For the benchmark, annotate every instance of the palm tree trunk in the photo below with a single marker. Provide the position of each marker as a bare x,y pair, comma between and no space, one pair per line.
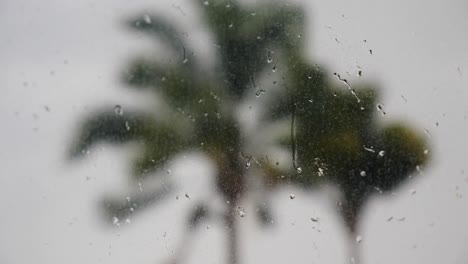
232,242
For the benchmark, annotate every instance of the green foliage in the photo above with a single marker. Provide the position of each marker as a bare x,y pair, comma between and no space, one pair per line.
333,137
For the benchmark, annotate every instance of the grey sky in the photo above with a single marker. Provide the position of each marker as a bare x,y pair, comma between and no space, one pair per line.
66,55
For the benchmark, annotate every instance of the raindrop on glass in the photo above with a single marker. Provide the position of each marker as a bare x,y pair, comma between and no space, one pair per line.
381,153
269,59
147,19
320,172
115,221
292,196
299,170
241,211
363,173
380,109
259,92
127,126
118,110
359,239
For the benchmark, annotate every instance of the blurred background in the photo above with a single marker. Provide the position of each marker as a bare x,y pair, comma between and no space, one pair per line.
61,60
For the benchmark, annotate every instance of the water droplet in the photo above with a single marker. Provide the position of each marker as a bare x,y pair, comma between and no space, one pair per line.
380,109
314,219
269,59
118,110
128,221
371,52
140,188
389,218
128,198
353,92
115,221
299,170
187,196
247,164
359,239
401,219
147,19
413,191
292,196
168,171
359,73
381,153
230,25
259,92
241,211
320,172
127,126
426,151
363,173
371,149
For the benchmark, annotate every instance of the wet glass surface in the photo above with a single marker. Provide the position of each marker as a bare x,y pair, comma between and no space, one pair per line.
233,132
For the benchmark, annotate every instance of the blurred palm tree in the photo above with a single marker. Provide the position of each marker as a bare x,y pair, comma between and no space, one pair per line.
200,103
329,132
335,137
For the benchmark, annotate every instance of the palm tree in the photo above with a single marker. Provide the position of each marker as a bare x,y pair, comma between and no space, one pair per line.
335,138
329,132
200,104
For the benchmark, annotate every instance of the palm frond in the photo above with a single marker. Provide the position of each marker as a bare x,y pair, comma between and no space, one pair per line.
110,126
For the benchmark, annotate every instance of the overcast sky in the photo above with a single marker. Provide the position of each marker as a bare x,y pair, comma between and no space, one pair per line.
61,58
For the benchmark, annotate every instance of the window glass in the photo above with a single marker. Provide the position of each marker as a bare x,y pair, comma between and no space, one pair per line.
226,131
